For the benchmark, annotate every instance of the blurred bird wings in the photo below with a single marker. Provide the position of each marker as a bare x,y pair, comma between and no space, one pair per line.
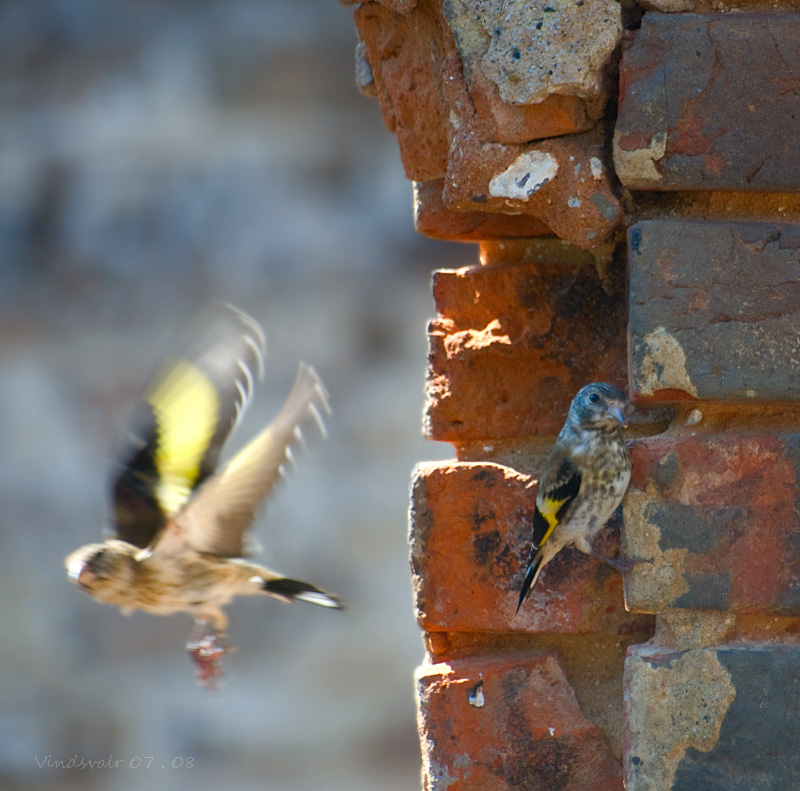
183,419
217,518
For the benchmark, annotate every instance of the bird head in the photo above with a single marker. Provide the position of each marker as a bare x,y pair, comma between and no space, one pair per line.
102,570
600,405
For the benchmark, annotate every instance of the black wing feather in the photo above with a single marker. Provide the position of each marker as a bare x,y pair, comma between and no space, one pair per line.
565,486
137,514
540,528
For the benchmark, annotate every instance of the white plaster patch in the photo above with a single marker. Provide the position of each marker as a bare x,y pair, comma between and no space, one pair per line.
638,166
662,364
538,49
528,173
672,716
695,416
652,587
596,166
670,6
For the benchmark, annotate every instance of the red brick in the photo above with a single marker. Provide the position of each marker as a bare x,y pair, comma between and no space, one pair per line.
509,722
719,517
706,102
470,536
562,182
400,6
714,310
432,218
446,127
511,123
405,52
513,345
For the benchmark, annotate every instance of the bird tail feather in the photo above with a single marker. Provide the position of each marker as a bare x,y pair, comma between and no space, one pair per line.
288,590
531,575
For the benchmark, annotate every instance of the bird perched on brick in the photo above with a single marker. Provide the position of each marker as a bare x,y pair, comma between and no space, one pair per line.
584,479
182,530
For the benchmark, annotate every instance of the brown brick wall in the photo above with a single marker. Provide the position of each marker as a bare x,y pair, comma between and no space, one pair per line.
632,178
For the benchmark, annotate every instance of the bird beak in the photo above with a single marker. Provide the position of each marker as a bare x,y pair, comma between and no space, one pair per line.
74,571
615,411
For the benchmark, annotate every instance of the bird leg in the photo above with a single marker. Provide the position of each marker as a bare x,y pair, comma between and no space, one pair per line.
206,653
620,564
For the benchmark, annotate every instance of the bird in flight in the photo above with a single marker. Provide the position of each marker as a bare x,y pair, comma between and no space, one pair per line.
181,538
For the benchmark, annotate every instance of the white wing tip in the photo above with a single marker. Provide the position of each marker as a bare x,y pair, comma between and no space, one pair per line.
258,351
312,408
319,598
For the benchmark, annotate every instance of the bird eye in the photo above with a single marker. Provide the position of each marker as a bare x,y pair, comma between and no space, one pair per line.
593,398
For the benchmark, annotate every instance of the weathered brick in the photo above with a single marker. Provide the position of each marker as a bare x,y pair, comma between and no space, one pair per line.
706,102
508,722
513,345
400,6
460,126
509,123
434,219
405,53
532,51
718,514
548,114
715,310
470,536
562,182
712,719
670,6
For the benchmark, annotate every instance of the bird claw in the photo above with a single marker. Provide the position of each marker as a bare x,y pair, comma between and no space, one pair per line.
622,564
626,564
207,653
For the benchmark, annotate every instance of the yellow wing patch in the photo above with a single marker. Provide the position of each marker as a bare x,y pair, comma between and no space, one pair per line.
186,408
548,509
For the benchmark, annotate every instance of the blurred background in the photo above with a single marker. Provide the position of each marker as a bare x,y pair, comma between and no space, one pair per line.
153,155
